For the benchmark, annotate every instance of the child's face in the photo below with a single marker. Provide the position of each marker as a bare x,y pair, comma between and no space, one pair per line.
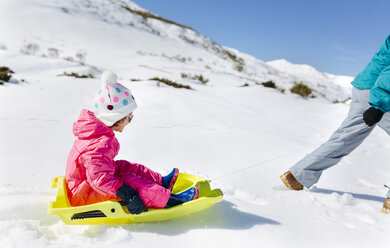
120,126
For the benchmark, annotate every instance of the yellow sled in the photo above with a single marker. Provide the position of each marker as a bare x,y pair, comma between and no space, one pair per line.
111,212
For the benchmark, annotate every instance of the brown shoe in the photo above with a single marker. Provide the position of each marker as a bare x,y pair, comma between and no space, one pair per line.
386,206
289,180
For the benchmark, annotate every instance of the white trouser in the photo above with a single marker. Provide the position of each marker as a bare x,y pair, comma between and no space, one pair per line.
347,137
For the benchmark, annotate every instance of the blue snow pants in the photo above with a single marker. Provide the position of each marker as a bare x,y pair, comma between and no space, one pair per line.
344,140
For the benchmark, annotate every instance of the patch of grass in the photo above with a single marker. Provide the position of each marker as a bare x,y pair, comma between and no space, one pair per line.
301,89
135,79
343,101
76,75
245,85
188,40
239,67
148,15
269,84
185,75
4,77
5,74
199,77
239,62
170,83
231,55
5,69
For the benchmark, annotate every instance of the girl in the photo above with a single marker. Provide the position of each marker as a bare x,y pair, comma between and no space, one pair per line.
92,174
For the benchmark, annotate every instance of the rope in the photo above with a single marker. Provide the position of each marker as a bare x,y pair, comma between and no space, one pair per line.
263,162
364,126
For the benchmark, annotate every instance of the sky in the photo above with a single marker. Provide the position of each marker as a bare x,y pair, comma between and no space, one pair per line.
334,36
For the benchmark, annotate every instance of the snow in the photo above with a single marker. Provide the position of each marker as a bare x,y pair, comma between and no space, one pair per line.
242,138
332,85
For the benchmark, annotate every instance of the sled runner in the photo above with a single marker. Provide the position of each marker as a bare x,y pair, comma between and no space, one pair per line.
111,212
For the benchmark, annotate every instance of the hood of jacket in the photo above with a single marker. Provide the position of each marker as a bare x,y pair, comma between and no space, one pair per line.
88,126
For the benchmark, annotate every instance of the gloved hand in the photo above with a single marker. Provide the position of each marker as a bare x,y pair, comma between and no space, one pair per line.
372,116
132,200
136,205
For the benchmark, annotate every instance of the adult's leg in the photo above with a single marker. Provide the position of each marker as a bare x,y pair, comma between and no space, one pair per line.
385,125
344,140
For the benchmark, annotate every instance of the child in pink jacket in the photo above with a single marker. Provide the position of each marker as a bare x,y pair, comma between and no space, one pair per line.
92,174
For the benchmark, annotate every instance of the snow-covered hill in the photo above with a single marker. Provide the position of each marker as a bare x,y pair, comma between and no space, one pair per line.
315,79
215,131
95,32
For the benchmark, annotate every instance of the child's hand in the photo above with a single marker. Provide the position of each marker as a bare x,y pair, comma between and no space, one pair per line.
132,200
125,192
136,205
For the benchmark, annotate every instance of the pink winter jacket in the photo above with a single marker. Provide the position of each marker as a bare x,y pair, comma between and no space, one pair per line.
91,174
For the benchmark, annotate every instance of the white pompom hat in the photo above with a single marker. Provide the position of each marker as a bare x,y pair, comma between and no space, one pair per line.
113,101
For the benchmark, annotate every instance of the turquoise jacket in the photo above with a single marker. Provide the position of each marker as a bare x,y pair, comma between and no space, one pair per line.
376,76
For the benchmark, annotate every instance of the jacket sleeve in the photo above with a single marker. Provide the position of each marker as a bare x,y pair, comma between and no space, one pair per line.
100,170
380,92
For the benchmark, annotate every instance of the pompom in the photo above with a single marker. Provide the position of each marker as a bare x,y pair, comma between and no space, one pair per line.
109,78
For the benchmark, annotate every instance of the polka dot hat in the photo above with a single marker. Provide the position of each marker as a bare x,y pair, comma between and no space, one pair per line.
113,101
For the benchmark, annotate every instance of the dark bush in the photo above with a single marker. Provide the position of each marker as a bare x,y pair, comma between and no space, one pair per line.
5,69
201,79
269,84
5,74
301,89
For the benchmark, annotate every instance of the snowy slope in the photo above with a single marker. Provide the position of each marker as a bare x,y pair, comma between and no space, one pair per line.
116,34
215,131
